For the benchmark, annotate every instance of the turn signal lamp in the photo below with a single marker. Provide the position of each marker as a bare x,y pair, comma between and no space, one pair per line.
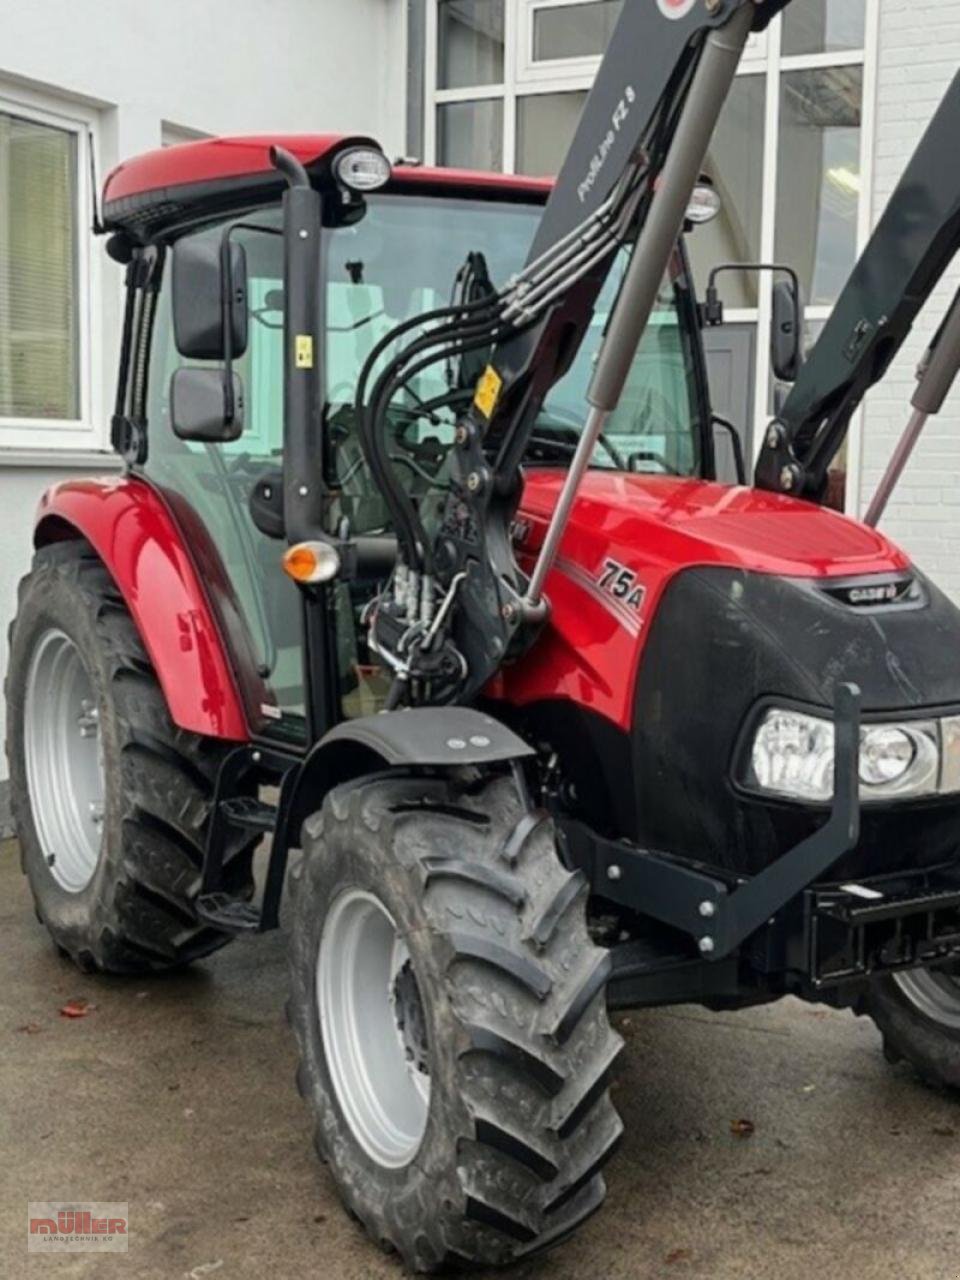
311,562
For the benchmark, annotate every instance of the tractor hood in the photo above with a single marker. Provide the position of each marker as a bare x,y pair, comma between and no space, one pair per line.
671,522
631,538
678,610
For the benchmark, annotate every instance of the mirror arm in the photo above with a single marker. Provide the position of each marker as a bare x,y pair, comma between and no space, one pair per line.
714,307
757,266
739,461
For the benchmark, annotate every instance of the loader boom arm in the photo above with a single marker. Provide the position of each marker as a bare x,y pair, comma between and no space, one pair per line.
626,181
913,244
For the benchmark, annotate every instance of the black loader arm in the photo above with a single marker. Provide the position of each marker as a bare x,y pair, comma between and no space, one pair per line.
458,604
908,253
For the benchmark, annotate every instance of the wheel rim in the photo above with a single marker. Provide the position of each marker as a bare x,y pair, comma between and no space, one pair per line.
371,1019
937,995
64,760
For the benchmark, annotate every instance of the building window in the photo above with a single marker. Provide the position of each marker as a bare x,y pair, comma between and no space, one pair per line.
470,134
470,43
546,123
574,30
735,166
51,306
818,192
39,271
824,26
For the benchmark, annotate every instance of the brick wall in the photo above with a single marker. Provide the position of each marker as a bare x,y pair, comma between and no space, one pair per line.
919,54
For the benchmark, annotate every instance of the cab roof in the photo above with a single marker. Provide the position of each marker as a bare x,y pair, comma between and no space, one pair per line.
159,189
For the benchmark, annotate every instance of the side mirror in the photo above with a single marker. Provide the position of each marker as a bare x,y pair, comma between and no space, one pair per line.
202,275
786,335
200,408
728,458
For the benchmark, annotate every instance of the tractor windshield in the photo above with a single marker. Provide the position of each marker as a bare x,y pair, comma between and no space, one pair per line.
403,259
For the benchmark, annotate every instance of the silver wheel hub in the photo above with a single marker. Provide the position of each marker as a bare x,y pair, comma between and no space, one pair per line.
373,1027
933,993
64,760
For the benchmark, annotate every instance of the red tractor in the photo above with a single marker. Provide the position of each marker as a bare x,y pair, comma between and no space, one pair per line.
553,721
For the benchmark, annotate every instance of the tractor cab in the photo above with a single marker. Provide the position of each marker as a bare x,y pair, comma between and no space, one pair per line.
387,256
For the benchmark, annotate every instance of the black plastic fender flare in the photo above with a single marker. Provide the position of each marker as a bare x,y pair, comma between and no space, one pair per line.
416,737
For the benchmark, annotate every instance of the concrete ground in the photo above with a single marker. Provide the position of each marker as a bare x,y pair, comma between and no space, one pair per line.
176,1095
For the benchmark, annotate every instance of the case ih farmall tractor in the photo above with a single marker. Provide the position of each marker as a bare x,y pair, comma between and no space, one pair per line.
419,528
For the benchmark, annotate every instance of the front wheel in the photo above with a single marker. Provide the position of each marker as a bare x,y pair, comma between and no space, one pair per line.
918,1014
449,1010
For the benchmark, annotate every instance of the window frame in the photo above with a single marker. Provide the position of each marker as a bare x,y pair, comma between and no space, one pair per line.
89,430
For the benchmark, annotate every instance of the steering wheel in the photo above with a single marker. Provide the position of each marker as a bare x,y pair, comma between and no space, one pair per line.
651,455
576,424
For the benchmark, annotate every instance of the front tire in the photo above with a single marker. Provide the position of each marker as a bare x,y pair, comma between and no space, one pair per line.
918,1014
110,799
454,1042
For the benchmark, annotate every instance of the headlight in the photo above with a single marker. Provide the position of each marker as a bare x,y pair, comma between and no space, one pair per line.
792,756
362,169
705,204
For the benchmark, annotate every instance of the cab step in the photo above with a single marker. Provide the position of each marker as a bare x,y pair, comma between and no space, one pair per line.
228,914
246,813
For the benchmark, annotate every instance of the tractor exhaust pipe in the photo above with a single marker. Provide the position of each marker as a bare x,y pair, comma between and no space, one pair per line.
712,81
937,373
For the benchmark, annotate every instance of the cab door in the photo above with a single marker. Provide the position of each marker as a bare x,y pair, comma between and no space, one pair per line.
209,485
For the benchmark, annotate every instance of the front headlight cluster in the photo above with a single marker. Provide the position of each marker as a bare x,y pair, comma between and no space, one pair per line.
792,755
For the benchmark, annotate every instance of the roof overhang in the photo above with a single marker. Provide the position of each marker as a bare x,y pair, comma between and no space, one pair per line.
152,192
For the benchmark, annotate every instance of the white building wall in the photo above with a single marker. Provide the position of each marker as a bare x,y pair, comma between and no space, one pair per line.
211,66
919,54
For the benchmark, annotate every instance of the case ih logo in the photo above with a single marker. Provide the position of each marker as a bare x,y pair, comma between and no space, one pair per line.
92,1227
675,8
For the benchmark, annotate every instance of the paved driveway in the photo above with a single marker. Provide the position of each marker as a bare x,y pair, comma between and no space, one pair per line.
177,1096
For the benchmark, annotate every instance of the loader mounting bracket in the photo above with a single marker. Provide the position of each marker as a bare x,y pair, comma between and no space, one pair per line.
719,915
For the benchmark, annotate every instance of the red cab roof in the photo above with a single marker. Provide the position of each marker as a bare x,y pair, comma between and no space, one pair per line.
161,187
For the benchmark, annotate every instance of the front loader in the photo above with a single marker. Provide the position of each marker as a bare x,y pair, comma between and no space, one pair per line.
419,566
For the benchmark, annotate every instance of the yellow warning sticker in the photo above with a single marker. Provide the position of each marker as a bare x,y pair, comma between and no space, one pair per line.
488,391
304,351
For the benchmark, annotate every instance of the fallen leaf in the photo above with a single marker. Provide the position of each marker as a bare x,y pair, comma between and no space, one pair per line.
30,1028
203,1269
742,1128
677,1255
77,1008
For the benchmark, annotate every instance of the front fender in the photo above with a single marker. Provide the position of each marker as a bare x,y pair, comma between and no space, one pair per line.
135,535
419,737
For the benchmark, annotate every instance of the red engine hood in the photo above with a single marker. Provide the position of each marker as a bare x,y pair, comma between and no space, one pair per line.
650,528
680,522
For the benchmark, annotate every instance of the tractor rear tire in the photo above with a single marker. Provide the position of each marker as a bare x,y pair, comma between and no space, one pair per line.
111,822
918,1015
449,1009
